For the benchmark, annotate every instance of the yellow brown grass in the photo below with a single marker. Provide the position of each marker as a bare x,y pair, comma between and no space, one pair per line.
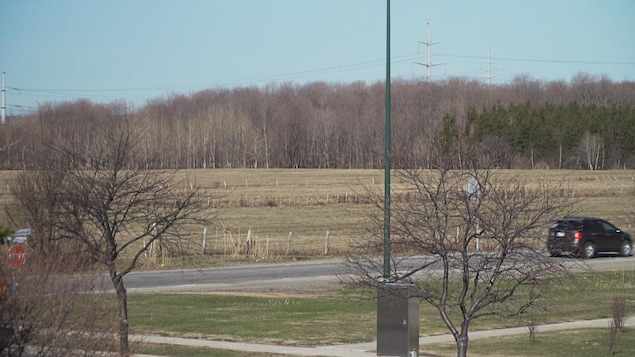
295,213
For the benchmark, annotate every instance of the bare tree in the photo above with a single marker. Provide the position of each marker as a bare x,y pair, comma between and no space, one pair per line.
590,149
45,312
115,208
472,242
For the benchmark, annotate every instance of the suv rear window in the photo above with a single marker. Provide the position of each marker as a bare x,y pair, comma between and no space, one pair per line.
570,225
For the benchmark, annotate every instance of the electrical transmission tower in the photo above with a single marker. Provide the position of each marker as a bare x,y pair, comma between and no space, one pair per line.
489,67
429,63
4,100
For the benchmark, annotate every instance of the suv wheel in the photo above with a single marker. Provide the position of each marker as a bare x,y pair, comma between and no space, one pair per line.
625,248
588,251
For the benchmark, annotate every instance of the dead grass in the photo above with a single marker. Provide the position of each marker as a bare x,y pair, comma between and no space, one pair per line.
288,213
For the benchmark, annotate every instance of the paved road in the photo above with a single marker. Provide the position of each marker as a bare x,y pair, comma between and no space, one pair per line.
263,277
291,276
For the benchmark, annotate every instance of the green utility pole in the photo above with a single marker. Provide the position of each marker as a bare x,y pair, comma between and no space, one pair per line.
387,145
397,304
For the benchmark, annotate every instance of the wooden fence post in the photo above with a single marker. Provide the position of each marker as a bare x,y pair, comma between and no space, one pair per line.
204,239
288,243
248,243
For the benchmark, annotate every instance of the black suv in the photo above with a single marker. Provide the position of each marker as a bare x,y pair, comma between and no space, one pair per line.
586,237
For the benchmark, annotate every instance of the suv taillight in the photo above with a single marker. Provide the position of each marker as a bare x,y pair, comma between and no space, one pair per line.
577,235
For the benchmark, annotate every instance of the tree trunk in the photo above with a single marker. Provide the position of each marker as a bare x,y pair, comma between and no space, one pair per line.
122,297
461,343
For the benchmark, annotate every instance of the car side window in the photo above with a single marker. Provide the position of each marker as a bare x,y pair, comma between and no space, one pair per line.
592,226
608,228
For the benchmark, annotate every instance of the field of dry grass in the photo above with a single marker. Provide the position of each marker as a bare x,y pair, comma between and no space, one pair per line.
282,213
309,204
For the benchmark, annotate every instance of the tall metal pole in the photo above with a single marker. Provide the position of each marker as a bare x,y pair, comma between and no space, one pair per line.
489,66
4,100
429,48
387,145
429,45
397,310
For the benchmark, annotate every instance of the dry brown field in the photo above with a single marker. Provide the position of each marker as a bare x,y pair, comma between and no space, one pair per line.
309,204
297,213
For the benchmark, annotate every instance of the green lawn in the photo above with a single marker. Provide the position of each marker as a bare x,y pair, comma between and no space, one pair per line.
270,319
337,317
566,343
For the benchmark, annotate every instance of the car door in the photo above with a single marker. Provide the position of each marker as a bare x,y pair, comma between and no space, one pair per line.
611,235
595,229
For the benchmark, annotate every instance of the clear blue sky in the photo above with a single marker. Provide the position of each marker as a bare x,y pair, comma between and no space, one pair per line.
135,50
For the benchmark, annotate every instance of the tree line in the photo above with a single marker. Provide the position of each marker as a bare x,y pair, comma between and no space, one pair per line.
585,123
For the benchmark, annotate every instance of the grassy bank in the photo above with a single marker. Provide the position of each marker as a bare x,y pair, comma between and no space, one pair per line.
568,343
338,317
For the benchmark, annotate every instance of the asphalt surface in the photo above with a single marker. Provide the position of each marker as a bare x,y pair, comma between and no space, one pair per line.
290,276
262,277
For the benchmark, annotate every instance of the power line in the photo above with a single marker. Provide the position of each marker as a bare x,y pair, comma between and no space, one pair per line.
354,66
541,60
108,93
